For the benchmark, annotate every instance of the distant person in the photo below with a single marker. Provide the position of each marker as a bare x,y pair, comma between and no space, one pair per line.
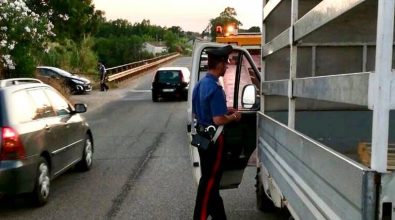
103,76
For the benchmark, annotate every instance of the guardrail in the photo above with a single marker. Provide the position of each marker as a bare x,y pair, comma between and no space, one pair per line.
131,69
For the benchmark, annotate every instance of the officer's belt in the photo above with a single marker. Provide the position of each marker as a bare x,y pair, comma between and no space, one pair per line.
211,131
206,129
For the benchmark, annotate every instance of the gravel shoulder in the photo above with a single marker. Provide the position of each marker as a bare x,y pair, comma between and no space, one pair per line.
96,98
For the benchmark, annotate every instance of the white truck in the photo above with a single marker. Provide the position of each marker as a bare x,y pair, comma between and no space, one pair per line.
320,111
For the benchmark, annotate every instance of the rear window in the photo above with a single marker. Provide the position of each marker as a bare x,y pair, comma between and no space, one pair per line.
23,109
168,76
43,107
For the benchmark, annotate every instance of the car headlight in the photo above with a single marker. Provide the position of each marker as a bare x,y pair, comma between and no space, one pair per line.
78,81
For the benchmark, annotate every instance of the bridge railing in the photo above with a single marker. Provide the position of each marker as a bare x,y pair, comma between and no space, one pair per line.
127,70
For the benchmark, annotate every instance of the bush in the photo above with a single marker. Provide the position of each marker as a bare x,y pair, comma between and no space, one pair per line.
75,58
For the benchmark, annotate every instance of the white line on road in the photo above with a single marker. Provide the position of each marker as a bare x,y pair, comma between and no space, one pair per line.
133,90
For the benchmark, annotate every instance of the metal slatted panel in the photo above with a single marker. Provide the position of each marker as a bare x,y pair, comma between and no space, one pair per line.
281,41
277,87
269,7
308,172
345,88
323,13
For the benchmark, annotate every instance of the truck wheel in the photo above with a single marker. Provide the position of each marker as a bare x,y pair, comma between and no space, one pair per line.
40,193
263,202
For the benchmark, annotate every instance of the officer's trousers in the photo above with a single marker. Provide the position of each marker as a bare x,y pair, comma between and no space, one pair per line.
208,199
103,86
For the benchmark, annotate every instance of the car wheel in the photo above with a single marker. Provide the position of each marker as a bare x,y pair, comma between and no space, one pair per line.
87,156
264,203
154,97
41,190
185,96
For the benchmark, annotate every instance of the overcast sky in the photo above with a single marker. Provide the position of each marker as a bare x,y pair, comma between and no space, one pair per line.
190,15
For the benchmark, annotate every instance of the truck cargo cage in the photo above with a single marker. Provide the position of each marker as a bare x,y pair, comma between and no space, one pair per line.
327,95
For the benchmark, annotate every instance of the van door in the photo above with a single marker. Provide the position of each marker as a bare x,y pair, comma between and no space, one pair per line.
240,137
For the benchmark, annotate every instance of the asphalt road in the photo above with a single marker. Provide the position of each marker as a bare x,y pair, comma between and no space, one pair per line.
141,167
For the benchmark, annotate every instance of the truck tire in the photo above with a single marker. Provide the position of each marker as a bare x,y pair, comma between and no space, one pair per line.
263,202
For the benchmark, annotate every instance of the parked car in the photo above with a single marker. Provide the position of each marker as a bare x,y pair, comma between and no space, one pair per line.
170,82
41,136
76,84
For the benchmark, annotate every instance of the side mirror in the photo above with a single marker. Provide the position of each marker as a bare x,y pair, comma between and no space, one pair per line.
248,96
80,108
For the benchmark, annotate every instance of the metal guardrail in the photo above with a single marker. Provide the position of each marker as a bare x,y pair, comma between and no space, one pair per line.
131,69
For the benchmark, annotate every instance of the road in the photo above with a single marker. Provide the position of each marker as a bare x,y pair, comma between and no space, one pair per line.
141,166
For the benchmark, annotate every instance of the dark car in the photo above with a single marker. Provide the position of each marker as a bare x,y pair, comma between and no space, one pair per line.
41,136
170,82
76,84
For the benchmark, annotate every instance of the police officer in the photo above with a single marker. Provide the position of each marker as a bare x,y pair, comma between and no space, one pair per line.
209,109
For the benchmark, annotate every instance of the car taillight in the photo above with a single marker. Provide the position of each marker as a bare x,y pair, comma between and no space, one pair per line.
181,76
11,145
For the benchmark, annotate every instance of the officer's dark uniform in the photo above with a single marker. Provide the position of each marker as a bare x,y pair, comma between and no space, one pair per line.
209,100
103,77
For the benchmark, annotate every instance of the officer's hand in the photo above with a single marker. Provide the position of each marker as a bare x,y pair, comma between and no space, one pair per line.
237,116
231,110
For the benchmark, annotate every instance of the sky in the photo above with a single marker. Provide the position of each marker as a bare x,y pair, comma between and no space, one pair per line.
190,15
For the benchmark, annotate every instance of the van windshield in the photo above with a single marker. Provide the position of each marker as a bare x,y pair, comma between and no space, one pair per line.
168,76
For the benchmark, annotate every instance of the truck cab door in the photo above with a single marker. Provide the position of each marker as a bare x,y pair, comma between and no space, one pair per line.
240,137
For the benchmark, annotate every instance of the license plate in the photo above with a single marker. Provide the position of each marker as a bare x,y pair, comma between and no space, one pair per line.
168,90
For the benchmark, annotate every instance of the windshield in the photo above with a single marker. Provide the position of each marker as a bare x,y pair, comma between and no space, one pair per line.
63,72
168,76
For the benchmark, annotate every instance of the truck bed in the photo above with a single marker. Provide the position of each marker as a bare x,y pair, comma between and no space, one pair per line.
343,131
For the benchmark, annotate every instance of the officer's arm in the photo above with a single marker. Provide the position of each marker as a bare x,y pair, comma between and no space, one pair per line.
225,119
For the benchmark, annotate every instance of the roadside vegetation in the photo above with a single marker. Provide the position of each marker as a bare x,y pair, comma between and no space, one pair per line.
72,35
227,17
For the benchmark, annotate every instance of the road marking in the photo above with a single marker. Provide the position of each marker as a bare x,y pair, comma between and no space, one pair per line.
134,90
129,185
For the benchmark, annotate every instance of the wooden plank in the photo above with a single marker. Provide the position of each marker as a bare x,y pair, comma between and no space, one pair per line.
364,153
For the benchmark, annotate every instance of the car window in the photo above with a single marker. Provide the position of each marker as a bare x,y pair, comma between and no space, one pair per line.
168,76
247,76
42,104
62,72
47,73
23,110
60,105
229,79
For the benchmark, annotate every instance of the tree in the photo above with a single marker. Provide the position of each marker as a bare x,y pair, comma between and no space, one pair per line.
73,19
23,34
227,17
254,29
171,41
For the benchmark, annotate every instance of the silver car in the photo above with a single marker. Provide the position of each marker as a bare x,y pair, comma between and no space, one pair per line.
41,136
